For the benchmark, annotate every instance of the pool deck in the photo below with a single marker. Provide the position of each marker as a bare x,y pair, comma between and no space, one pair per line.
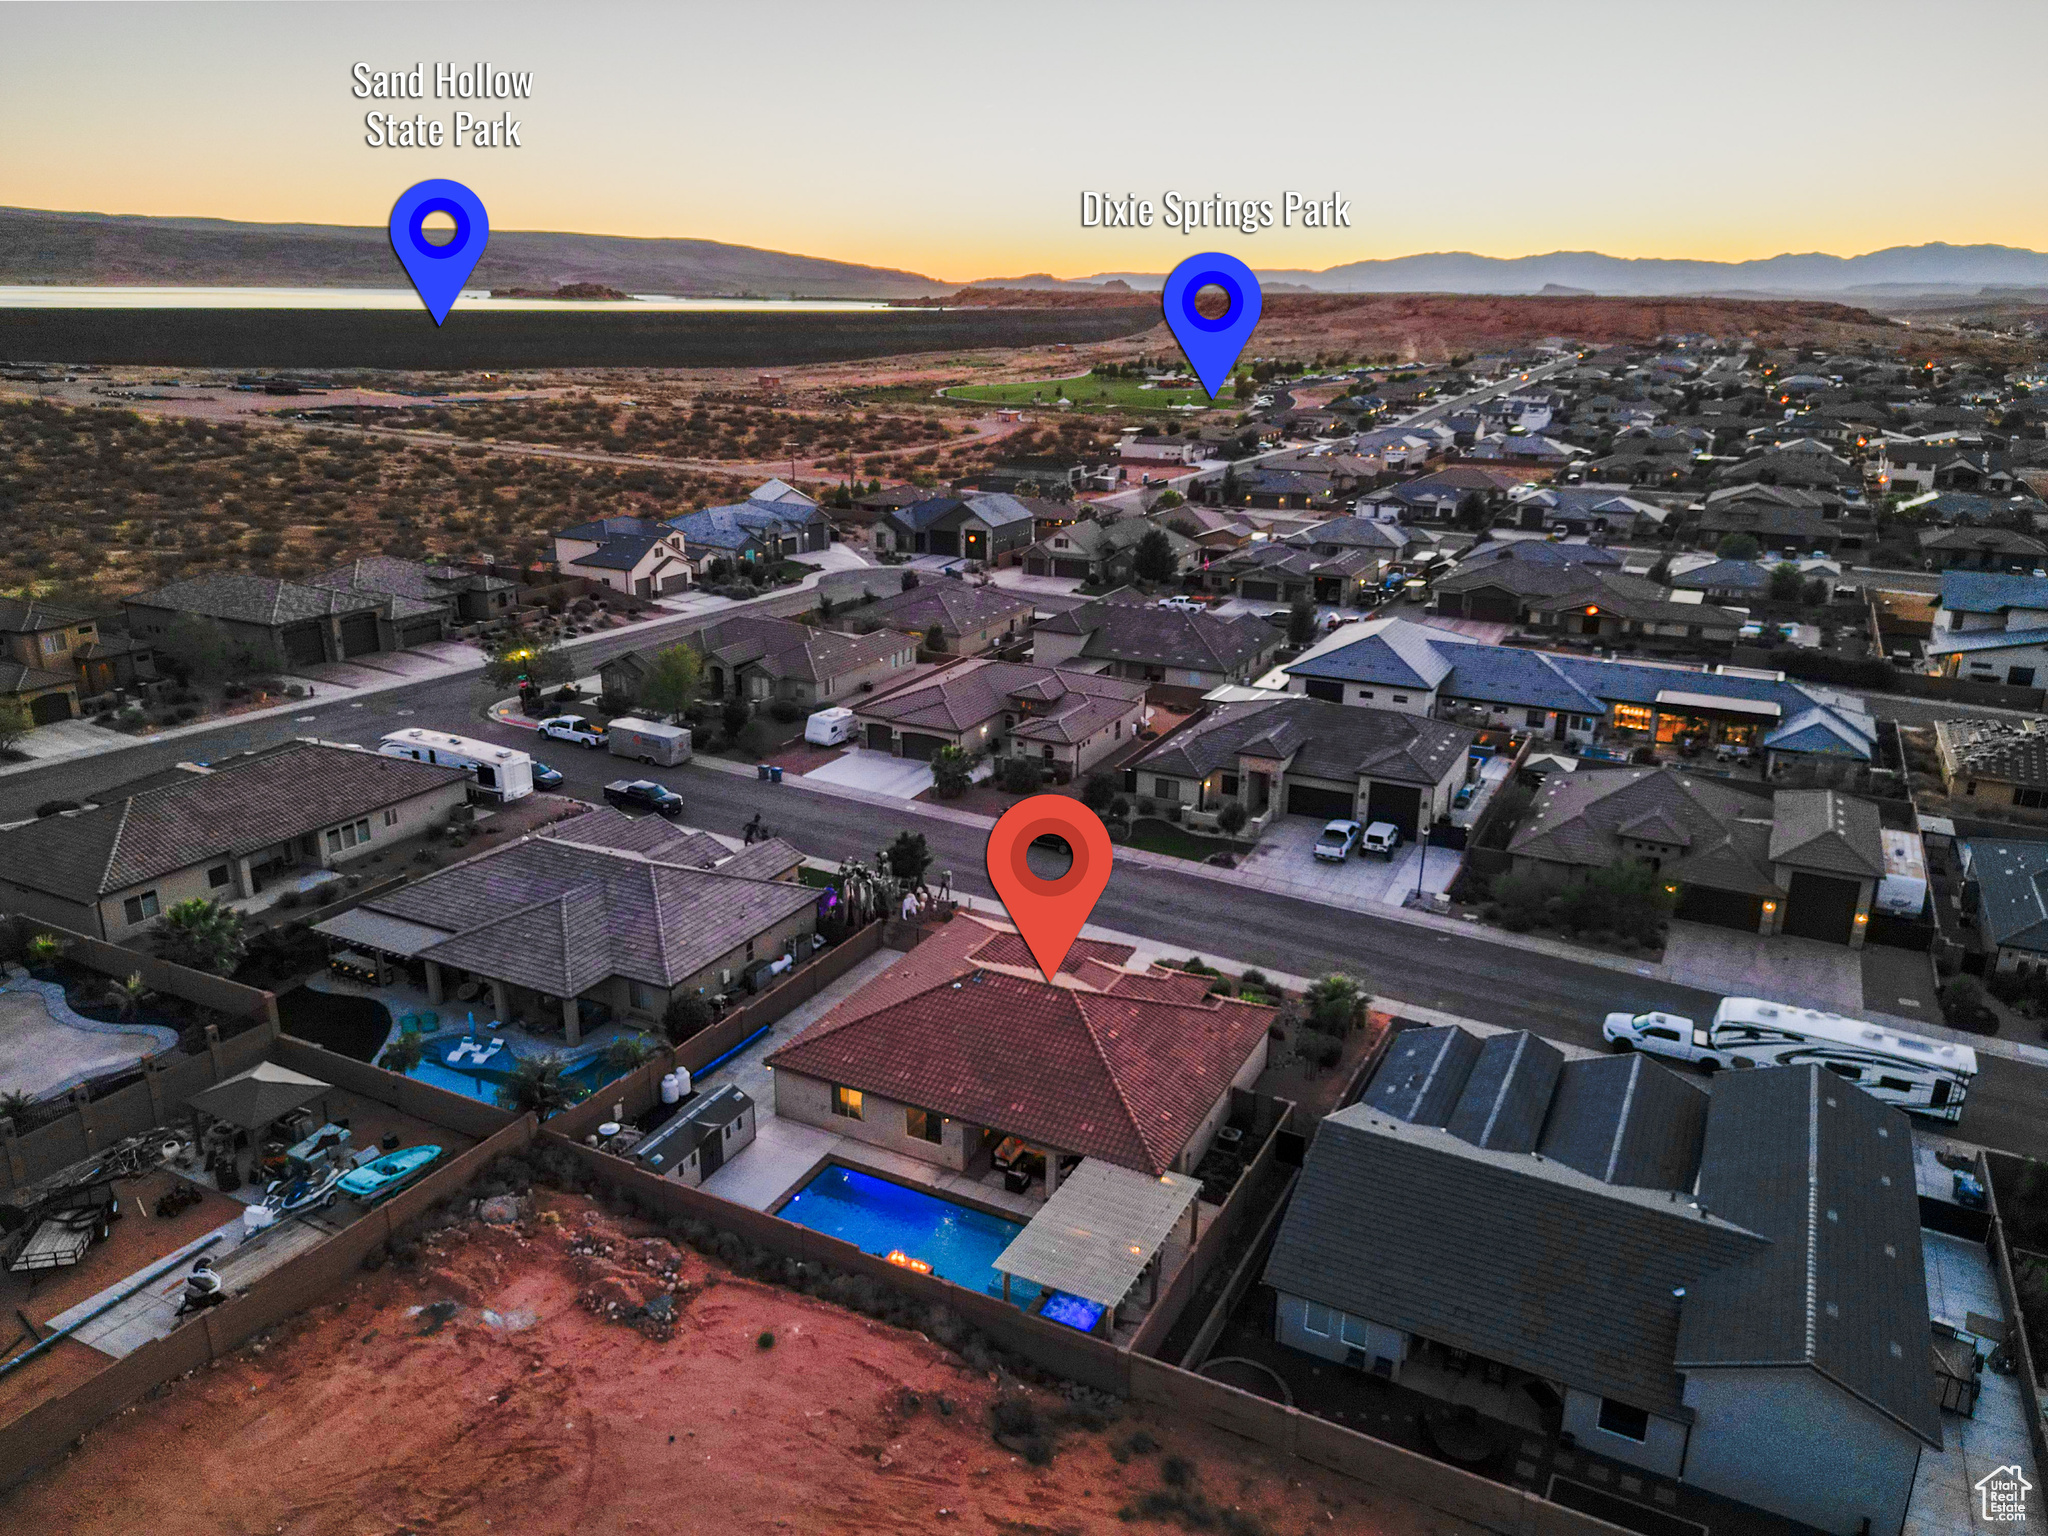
401,998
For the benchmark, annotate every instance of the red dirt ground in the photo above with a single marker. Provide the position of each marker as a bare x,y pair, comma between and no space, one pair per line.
355,1419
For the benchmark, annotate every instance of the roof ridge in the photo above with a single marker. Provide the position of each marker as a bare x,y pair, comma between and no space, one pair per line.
114,844
1138,1127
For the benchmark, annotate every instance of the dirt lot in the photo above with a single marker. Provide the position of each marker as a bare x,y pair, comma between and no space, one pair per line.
366,1417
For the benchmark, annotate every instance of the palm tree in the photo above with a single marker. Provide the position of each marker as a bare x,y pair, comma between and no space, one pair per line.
44,950
627,1052
537,1085
204,935
403,1054
127,995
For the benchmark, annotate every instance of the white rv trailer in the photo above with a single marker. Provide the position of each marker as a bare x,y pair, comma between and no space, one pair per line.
503,774
1919,1075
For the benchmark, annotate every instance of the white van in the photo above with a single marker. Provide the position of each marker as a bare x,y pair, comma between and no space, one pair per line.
503,774
649,741
829,727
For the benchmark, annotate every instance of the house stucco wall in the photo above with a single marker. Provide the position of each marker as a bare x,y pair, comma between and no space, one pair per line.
1661,1450
882,1123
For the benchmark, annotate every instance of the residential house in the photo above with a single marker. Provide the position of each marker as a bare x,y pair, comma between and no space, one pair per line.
1051,478
41,647
775,522
963,1045
2010,879
759,658
1731,581
1387,541
1807,465
1984,549
1644,1259
1801,729
1584,509
1159,453
1804,862
868,507
1178,655
1544,452
596,919
1579,599
1540,552
224,834
1445,496
281,625
471,597
1994,762
1906,465
1991,627
1304,757
1286,573
1791,519
1299,489
1101,553
1067,719
628,554
949,615
994,528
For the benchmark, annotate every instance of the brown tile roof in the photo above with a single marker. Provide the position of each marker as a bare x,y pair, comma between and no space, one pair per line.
785,648
1117,1077
1070,706
956,607
19,616
237,809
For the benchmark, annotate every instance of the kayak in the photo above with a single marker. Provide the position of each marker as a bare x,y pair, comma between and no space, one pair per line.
387,1174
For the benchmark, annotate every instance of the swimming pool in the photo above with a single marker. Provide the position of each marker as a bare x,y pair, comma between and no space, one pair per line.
880,1216
585,1077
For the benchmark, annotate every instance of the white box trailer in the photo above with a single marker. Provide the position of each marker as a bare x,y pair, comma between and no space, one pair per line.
829,727
502,774
648,741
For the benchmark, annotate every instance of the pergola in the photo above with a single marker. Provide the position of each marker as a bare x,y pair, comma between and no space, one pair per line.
1099,1231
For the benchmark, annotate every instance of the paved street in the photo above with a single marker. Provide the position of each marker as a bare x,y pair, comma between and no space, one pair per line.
1471,977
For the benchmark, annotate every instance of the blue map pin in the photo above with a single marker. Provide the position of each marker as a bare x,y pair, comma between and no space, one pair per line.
1212,346
439,271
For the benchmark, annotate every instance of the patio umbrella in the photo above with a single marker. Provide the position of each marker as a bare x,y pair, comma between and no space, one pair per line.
252,1099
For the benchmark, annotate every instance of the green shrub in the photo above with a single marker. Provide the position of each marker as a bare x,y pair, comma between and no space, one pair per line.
1021,775
787,711
1099,791
766,1340
1231,819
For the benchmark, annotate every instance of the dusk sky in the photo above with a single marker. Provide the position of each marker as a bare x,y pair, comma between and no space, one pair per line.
956,139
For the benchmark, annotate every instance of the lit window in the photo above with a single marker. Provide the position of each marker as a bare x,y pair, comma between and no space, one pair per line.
846,1101
923,1125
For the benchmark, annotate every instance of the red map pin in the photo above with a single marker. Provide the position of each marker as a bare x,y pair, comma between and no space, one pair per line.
1049,913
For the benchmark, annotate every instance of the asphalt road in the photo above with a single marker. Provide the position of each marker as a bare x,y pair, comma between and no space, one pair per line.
1471,977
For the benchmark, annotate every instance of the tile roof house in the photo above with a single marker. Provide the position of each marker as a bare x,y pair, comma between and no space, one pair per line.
1588,599
1069,720
963,1043
1305,757
578,923
1651,1256
44,652
1159,646
1987,549
282,624
629,554
992,527
471,596
1803,862
1583,509
222,834
760,658
951,615
1284,573
1102,552
1790,519
1570,697
775,522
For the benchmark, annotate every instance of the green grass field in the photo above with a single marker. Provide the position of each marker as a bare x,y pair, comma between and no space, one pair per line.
1088,393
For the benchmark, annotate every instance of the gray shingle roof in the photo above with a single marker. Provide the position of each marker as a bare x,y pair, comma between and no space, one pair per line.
262,599
787,649
955,606
1423,1074
1626,1120
1327,741
1126,631
1825,830
239,808
561,917
1508,1093
2012,884
28,616
1825,1172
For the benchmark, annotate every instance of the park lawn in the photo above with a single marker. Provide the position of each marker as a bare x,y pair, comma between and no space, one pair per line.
1088,393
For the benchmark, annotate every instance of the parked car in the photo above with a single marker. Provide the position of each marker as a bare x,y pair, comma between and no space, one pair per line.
1382,838
1337,840
545,777
584,732
1180,602
644,795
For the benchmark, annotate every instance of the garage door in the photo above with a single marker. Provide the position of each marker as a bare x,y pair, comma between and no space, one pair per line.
1319,688
1821,907
922,748
48,708
1076,570
1399,803
358,634
422,633
1723,909
302,647
1494,607
945,542
1260,591
878,738
1323,804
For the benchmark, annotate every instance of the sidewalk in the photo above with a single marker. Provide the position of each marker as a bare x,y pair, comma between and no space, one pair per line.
381,672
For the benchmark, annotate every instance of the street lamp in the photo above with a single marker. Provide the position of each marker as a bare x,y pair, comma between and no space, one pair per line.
1422,865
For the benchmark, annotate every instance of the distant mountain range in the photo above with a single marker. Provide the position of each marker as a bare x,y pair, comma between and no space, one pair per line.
42,247
97,249
1901,270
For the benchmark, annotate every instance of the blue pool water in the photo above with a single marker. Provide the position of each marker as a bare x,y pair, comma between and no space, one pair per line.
483,1082
880,1216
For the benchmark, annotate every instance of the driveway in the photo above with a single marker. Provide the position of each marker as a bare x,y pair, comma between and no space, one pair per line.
1283,861
878,772
1804,972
